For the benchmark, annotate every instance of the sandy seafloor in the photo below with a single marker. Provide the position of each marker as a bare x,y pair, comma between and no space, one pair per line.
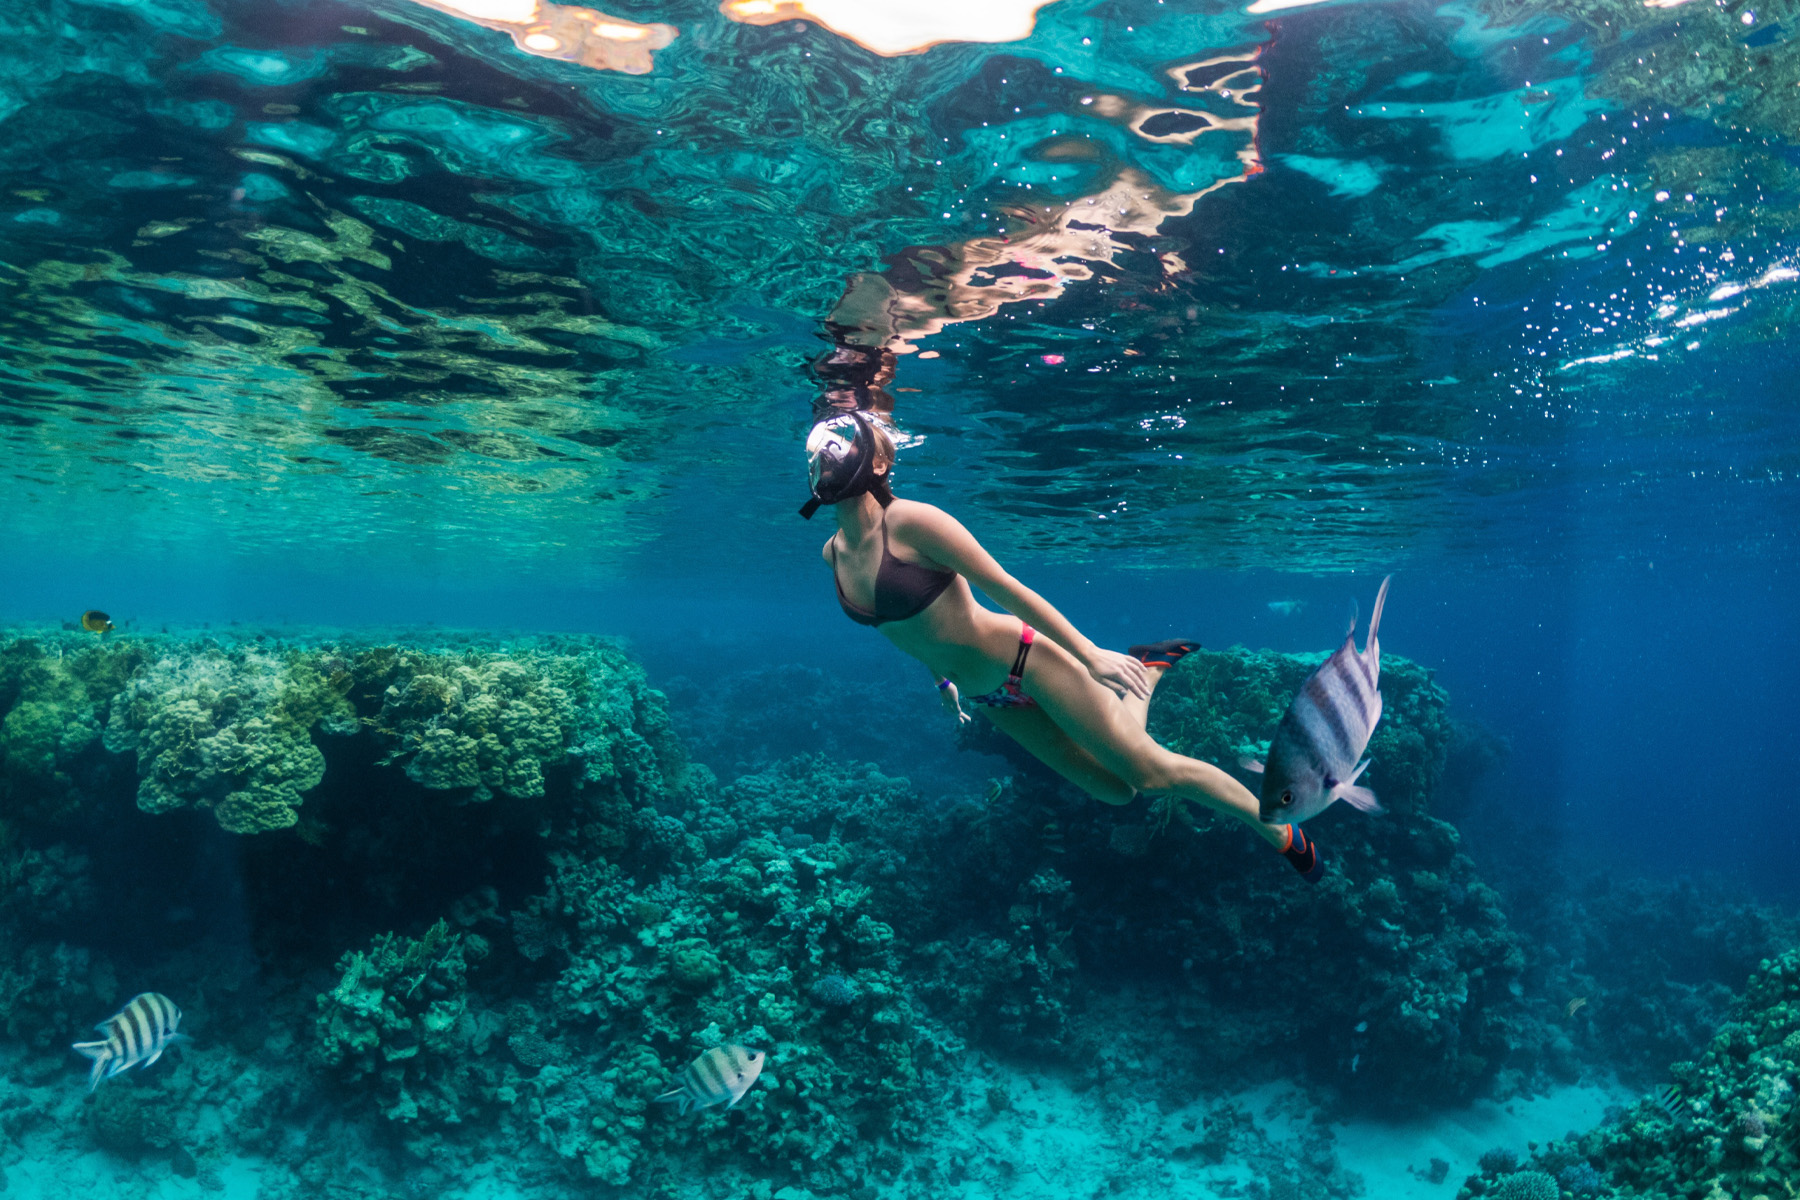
1053,1141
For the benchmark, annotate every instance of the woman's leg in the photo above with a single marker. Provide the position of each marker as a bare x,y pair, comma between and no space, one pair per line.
1111,731
1140,709
1032,729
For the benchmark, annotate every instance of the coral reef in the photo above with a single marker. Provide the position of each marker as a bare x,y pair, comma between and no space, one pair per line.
233,726
54,694
1656,964
229,730
1730,1131
1501,1160
400,1016
1413,969
1525,1185
1580,1179
493,901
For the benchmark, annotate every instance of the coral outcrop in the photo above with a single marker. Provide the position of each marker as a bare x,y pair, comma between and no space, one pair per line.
399,1018
227,729
236,726
54,693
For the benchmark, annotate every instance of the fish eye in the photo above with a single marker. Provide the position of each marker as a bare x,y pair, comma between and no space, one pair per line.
1287,798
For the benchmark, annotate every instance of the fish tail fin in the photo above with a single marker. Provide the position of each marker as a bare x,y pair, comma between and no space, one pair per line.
99,1052
1250,764
677,1097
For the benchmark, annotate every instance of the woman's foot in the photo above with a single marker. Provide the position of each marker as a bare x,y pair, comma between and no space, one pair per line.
1300,850
1163,654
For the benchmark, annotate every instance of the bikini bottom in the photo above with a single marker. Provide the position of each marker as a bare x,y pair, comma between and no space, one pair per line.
1010,694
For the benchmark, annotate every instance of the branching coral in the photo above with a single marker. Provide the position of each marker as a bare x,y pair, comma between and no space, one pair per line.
1525,1185
484,727
399,1018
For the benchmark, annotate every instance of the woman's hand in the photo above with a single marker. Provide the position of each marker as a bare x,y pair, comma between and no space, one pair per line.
1119,673
953,703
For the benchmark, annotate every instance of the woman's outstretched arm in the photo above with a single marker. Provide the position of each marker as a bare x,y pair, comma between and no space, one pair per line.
942,538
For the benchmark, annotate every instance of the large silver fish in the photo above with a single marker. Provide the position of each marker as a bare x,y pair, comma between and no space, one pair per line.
137,1033
1314,757
720,1076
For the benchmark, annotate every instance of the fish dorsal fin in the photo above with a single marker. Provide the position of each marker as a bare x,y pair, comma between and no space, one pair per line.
1375,614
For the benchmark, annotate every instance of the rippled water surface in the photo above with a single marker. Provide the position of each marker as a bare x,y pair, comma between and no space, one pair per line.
1302,288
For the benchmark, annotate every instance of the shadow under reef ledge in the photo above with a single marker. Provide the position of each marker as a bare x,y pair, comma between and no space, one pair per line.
448,914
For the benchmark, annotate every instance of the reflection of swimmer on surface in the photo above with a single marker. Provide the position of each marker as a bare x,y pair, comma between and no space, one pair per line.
907,567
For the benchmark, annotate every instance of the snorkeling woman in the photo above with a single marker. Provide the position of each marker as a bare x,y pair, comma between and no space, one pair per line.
906,568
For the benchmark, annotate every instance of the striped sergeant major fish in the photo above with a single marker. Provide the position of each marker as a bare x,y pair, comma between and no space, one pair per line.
136,1034
720,1076
1668,1098
1313,759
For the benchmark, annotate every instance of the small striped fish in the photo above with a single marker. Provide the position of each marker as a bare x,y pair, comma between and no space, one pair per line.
720,1076
1668,1097
137,1033
1313,759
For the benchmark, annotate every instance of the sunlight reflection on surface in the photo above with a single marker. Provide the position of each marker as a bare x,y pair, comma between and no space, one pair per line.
566,32
1050,247
893,27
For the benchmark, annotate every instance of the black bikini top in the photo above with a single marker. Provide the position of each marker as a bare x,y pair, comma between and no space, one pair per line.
902,589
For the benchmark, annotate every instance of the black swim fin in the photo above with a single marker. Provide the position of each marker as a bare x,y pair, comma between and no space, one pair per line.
1163,654
1303,853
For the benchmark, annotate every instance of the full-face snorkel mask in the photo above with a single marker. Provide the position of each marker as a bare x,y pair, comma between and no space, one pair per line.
840,461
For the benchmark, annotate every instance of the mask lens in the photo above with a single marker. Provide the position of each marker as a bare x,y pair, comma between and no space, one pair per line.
830,452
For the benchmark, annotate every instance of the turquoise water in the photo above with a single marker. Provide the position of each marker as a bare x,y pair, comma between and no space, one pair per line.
420,388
